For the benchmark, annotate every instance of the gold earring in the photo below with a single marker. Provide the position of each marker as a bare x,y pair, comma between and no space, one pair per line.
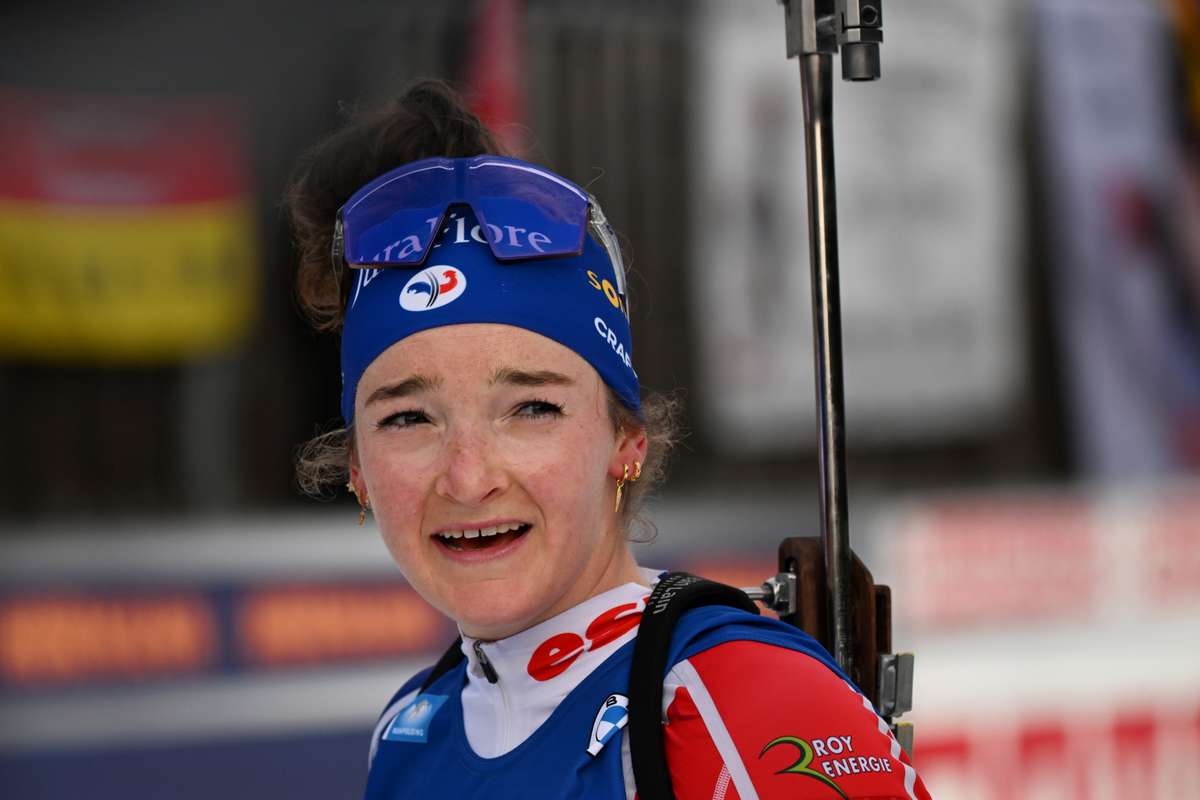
362,507
637,471
621,485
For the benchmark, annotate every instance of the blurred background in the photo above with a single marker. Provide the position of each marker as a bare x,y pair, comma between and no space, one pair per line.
1020,247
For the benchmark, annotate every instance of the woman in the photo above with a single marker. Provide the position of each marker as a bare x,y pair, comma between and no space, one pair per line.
496,430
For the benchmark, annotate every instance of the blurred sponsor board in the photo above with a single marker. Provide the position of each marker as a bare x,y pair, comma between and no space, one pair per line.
928,237
1057,639
126,232
52,639
1121,189
1139,751
1042,557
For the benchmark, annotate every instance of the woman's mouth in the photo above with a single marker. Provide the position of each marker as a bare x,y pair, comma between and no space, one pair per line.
482,538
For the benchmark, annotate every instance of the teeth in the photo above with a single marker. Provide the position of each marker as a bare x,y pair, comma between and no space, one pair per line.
475,534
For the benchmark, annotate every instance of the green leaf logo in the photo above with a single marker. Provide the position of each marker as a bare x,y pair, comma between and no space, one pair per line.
801,765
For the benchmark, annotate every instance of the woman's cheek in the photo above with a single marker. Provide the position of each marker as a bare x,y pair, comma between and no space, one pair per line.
398,496
400,531
401,499
399,466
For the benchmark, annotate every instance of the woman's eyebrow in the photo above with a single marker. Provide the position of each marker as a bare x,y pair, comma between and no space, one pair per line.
404,388
520,377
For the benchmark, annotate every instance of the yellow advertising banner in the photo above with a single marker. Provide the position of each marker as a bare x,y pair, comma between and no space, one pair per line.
125,285
126,230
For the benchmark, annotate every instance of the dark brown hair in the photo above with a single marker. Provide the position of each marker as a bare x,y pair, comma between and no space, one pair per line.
428,119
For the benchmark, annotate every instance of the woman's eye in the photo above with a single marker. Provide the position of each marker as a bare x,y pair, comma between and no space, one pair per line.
403,419
538,408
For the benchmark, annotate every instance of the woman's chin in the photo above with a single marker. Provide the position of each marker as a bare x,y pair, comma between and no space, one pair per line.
495,618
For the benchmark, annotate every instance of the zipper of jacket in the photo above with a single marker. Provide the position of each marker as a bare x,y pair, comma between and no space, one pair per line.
493,677
489,671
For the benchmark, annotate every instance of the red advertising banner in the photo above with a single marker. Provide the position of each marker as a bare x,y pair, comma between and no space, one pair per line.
1135,752
1036,557
126,233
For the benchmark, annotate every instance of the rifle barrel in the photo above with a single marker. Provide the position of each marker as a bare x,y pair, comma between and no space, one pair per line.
816,77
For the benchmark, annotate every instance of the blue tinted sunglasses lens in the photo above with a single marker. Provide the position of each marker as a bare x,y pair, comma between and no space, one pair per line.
523,211
527,212
393,219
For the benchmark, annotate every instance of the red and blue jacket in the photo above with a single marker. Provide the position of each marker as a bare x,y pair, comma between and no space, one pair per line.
752,708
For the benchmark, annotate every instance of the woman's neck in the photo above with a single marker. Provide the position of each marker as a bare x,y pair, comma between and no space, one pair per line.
604,574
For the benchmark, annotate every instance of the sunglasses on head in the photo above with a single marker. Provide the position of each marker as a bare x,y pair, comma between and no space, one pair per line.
524,212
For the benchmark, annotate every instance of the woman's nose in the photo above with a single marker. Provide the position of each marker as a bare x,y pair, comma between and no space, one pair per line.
472,473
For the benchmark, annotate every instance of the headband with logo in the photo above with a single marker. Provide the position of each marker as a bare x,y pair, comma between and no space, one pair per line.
572,300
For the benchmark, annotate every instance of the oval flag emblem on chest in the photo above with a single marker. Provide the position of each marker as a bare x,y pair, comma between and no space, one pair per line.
612,717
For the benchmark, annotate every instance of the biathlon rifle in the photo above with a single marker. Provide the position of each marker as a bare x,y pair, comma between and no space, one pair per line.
822,586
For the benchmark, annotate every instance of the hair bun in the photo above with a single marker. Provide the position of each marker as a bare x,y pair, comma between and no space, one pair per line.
443,122
429,118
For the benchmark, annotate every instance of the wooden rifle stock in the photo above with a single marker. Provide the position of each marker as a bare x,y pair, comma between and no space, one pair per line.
871,608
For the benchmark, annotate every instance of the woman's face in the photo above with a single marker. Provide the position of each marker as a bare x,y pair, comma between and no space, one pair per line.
490,463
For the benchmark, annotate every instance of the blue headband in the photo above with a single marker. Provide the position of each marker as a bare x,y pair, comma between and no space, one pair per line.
571,300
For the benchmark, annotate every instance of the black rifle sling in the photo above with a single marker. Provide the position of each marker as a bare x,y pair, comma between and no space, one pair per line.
676,593
447,662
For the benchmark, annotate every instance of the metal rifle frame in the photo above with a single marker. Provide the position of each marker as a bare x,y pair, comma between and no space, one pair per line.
822,587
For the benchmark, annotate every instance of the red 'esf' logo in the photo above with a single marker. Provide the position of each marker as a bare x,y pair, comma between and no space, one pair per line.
553,656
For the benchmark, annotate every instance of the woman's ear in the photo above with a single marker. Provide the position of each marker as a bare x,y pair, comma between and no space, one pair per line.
630,450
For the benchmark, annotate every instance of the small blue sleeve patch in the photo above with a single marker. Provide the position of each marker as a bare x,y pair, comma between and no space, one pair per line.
412,723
